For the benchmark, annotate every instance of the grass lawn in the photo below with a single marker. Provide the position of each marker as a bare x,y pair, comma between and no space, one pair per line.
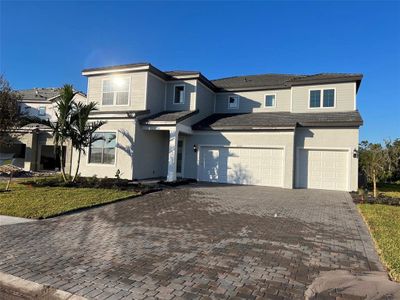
390,190
384,223
43,202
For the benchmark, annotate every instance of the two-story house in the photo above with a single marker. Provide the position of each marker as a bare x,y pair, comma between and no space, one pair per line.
291,131
32,147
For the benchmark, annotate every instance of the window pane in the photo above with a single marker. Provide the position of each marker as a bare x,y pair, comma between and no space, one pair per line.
233,102
315,98
42,111
109,156
270,100
179,93
329,98
121,84
102,149
107,86
95,155
122,98
108,98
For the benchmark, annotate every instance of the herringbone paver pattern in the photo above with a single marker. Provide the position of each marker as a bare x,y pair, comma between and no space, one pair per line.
205,242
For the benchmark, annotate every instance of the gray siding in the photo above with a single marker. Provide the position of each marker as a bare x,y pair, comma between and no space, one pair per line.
137,95
345,97
155,100
254,101
190,95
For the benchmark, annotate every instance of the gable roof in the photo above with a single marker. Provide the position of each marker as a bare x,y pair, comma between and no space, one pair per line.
271,120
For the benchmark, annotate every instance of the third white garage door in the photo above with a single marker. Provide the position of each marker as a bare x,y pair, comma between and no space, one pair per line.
242,165
322,169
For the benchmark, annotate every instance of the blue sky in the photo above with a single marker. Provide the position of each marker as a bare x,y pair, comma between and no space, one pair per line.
47,44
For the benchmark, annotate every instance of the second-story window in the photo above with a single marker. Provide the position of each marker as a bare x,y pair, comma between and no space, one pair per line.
116,91
327,101
179,94
233,102
42,110
270,101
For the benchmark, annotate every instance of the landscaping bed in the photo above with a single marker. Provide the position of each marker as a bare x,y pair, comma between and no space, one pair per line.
383,218
48,197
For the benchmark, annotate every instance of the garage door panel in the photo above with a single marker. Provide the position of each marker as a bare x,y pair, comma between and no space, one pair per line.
243,165
322,169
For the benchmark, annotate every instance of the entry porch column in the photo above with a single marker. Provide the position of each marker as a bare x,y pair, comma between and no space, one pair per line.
172,154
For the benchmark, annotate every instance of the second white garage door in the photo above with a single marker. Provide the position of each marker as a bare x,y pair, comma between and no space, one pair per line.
242,165
323,169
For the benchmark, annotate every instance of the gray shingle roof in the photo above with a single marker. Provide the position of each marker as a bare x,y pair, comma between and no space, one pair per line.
39,93
269,120
281,80
168,117
181,73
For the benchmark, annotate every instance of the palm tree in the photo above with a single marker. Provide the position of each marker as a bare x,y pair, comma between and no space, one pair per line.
82,130
62,127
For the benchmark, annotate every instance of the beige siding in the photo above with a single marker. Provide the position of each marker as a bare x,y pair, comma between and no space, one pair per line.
190,95
254,101
345,93
151,153
332,138
263,139
205,99
137,95
155,94
123,159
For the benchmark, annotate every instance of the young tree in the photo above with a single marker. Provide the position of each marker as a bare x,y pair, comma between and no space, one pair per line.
10,118
373,160
62,126
393,151
82,130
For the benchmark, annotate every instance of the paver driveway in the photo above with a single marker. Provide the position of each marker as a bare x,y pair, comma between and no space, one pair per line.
197,241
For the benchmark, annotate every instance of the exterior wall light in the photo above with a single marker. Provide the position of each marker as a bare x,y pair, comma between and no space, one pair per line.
355,153
195,148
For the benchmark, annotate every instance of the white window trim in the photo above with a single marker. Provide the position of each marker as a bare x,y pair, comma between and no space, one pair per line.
40,107
114,98
115,155
321,104
184,94
237,101
265,100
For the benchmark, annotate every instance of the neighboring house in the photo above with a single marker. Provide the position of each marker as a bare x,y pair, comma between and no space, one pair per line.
33,148
291,131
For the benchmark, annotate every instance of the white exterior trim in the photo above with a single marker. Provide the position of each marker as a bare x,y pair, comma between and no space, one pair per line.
98,72
321,104
184,94
275,100
114,97
237,97
182,173
355,96
87,150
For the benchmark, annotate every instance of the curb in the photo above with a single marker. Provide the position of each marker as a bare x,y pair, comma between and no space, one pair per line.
12,287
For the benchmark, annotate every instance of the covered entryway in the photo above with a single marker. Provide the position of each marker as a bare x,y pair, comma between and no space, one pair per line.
323,169
242,165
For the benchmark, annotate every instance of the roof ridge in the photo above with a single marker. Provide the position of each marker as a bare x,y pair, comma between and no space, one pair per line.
253,75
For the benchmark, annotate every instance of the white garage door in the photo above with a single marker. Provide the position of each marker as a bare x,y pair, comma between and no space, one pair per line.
322,169
242,165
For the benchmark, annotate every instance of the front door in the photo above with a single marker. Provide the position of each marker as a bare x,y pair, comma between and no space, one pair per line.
179,158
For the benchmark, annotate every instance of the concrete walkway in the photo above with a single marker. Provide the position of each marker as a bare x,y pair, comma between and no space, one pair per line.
7,220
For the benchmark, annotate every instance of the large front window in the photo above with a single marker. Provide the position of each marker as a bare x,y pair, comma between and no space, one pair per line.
102,148
116,91
179,94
